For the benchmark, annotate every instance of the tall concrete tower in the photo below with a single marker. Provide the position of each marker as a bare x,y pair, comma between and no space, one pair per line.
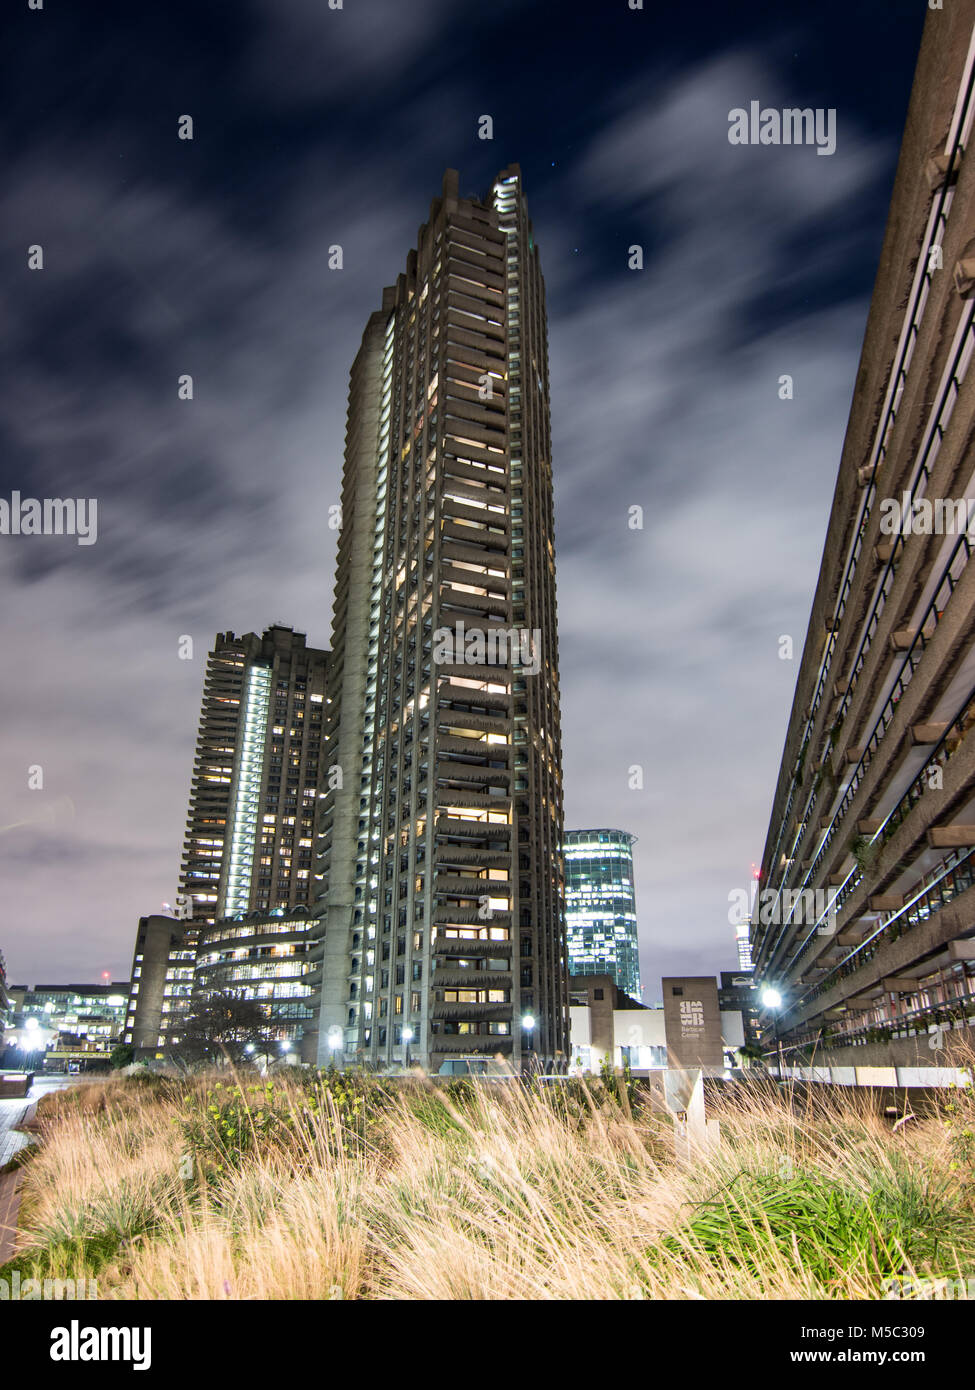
441,826
249,832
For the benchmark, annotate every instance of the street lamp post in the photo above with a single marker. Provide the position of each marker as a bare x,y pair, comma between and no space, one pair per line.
33,1041
772,1000
528,1026
407,1039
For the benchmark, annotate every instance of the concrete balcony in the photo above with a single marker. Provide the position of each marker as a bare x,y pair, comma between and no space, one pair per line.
472,887
482,723
470,917
462,694
472,772
495,858
473,747
469,1013
484,1044
951,836
473,829
472,800
449,977
469,946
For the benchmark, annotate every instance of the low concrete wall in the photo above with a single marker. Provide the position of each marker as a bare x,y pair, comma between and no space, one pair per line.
13,1087
956,1049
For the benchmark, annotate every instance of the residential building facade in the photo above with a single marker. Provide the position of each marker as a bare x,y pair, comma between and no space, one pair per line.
864,935
250,830
442,889
162,980
70,1027
249,833
266,958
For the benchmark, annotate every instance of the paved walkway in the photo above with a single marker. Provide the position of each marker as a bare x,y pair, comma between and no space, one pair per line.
12,1114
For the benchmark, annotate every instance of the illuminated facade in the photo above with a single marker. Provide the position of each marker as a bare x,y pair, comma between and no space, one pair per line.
250,831
249,835
868,940
68,1027
600,907
743,944
267,958
444,919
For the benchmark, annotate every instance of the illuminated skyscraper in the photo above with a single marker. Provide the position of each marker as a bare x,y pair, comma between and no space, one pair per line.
444,925
600,907
252,804
249,835
744,944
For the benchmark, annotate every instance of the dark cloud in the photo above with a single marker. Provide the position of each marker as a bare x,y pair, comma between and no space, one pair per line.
212,513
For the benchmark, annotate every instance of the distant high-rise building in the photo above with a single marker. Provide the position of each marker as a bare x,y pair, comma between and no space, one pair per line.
600,907
863,944
441,848
743,942
250,831
249,834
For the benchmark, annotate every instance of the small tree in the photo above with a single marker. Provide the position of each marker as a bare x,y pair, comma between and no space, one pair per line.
222,1025
122,1055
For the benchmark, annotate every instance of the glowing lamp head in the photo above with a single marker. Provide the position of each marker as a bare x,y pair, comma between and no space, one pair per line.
771,999
528,1021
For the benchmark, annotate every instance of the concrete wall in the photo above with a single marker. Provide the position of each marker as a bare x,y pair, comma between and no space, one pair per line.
692,1021
599,1030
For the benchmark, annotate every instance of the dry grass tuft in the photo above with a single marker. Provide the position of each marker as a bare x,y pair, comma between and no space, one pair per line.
341,1187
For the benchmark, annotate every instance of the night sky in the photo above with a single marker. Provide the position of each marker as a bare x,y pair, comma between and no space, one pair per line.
315,127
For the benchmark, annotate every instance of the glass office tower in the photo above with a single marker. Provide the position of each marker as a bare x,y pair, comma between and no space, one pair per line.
600,907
